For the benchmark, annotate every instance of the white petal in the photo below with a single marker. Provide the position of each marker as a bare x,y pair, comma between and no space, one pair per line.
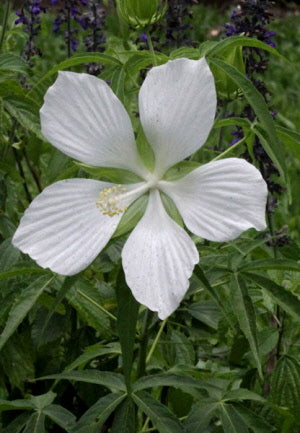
220,200
158,259
63,229
83,118
177,104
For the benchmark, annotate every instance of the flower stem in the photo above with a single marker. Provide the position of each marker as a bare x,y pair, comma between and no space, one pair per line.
150,46
4,25
230,148
154,344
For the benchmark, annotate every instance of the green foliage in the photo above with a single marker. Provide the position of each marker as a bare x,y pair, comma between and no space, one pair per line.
227,361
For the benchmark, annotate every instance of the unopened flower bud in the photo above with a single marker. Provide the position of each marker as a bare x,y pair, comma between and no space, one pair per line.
141,13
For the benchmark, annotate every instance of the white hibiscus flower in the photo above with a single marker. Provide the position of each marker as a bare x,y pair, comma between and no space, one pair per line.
71,221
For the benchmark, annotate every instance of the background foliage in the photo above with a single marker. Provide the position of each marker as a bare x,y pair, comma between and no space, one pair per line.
78,354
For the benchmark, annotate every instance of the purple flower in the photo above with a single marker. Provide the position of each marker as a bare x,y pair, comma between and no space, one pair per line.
74,44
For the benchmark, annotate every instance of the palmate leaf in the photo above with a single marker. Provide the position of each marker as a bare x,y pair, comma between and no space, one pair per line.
287,300
92,420
253,420
161,417
257,102
23,305
243,309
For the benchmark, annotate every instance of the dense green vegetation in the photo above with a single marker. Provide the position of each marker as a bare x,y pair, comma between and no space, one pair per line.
79,354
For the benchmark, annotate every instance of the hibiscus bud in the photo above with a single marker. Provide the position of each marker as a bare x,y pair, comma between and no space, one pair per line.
141,13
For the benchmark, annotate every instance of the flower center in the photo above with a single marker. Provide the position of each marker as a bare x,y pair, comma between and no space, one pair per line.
109,201
116,199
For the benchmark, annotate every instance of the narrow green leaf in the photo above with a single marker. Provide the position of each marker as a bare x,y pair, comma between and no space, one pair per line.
132,216
13,63
232,422
36,423
93,419
74,61
244,311
92,352
23,305
205,311
16,272
240,41
241,394
200,416
233,121
187,52
118,83
105,378
282,264
180,170
108,174
43,400
127,318
124,419
17,424
290,138
253,420
61,416
16,404
256,100
161,417
180,381
287,300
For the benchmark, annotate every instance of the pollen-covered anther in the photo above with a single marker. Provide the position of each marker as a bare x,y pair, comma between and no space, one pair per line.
110,200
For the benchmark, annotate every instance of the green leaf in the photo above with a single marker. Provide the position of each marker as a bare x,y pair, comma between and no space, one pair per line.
74,61
205,311
285,384
287,301
241,394
253,420
92,352
87,301
108,174
141,59
61,416
244,311
240,41
233,121
92,420
17,424
184,351
180,170
124,419
43,400
290,138
211,290
9,255
36,423
25,111
231,420
105,378
257,102
126,324
13,273
13,63
187,52
118,83
282,264
23,305
131,216
200,416
184,382
171,209
161,417
16,404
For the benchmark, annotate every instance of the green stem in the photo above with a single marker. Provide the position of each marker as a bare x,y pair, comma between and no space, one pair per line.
154,344
4,25
150,46
230,148
141,367
111,316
